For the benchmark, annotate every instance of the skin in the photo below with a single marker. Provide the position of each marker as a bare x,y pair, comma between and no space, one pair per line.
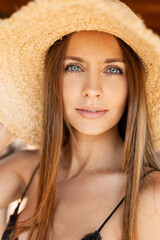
92,83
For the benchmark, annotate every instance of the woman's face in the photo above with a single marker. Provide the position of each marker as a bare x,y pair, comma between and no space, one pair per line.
94,77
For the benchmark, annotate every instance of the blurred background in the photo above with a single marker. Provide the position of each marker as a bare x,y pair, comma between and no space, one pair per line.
147,9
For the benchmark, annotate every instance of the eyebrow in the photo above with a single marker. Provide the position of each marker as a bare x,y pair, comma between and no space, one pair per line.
108,60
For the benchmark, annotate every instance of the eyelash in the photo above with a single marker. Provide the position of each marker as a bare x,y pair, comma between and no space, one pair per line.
119,69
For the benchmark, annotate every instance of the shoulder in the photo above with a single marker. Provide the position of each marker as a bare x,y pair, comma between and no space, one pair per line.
22,162
27,160
148,209
15,173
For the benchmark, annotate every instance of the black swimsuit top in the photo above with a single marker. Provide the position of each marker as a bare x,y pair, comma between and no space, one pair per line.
90,236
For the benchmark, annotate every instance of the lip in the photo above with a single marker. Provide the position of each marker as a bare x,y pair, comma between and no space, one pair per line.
91,108
91,115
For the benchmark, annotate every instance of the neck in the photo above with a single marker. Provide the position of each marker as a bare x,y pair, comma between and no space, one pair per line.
100,153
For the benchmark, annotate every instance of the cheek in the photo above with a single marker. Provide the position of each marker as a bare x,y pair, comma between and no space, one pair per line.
71,91
117,96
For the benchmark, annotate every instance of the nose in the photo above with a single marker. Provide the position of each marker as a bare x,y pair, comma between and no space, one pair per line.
92,87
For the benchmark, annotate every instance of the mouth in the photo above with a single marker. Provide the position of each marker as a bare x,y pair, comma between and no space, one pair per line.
91,112
91,109
86,110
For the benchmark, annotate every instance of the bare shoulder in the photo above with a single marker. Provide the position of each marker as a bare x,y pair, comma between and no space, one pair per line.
15,172
148,209
28,160
22,162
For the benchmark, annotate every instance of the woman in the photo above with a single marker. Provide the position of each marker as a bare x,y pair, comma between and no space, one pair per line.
98,137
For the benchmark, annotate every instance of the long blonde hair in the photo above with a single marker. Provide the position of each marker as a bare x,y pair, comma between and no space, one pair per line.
134,128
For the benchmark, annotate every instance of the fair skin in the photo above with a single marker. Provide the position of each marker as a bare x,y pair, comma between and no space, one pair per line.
87,193
92,83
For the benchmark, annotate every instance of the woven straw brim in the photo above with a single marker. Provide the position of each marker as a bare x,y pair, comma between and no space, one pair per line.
26,36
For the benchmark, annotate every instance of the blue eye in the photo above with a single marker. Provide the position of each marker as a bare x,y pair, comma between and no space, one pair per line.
115,70
73,68
111,69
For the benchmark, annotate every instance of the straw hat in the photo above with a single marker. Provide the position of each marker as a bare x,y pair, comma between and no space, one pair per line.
28,33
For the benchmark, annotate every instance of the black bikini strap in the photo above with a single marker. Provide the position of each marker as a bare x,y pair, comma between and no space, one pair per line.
29,183
107,219
119,204
152,170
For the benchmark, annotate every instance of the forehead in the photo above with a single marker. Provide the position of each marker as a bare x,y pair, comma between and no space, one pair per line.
91,43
